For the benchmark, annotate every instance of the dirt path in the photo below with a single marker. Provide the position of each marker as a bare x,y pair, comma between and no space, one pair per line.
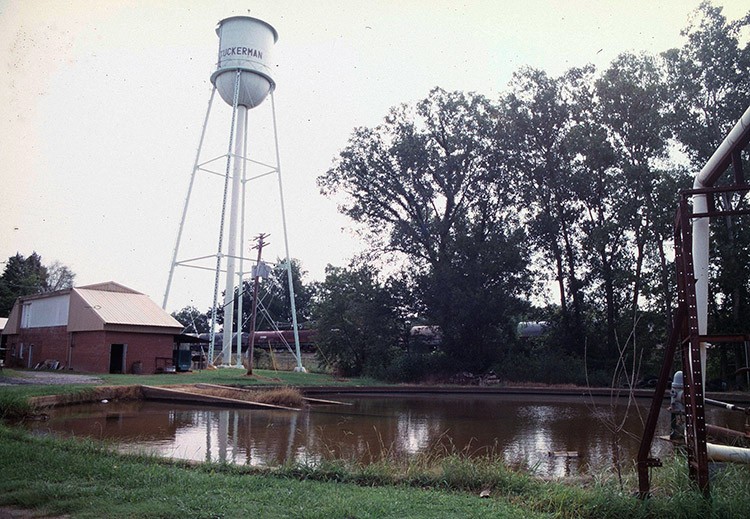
7,512
47,378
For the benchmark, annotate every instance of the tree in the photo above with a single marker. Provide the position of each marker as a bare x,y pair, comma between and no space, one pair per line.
632,110
22,277
193,320
274,294
409,179
59,277
27,276
422,185
274,298
709,79
532,144
356,320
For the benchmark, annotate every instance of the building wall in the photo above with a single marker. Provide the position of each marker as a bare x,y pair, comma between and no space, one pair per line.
88,351
36,345
91,350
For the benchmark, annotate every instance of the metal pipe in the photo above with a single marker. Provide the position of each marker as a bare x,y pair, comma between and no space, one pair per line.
240,290
707,177
220,245
725,405
728,453
232,245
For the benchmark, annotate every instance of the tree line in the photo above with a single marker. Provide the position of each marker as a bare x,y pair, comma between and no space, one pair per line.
472,206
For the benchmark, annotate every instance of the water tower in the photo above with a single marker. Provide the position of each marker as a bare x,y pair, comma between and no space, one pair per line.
243,78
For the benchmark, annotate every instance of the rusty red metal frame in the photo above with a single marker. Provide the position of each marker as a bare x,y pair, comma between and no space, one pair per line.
685,337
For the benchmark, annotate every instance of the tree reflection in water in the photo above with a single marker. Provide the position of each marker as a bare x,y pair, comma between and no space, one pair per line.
523,429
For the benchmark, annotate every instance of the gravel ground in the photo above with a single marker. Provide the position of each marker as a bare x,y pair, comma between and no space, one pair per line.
47,378
7,512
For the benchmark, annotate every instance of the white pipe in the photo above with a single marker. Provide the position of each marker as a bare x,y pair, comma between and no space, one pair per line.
232,245
724,151
219,249
241,276
727,453
705,178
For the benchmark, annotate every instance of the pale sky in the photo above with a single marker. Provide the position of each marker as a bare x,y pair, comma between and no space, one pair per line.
102,104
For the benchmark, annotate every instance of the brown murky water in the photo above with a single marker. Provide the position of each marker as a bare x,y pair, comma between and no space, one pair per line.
523,429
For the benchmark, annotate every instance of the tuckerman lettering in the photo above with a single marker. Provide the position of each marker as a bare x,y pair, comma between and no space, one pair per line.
241,51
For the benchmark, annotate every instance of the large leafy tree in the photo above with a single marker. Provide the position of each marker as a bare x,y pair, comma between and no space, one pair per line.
709,80
631,96
532,145
410,179
421,184
25,276
59,277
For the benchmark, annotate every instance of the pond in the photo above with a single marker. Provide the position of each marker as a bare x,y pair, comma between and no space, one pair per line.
547,435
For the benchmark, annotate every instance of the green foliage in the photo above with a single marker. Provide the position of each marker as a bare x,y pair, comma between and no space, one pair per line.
22,277
541,367
28,276
193,320
358,327
13,405
275,307
422,185
474,206
709,81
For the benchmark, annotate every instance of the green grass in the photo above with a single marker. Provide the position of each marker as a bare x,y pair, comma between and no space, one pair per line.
14,399
234,376
86,480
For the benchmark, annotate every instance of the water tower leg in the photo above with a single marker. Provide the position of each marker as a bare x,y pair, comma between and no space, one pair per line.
187,201
220,246
300,367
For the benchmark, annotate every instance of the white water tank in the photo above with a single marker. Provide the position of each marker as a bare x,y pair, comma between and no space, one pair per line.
245,44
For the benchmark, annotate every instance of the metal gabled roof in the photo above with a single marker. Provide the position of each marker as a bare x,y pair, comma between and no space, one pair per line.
95,307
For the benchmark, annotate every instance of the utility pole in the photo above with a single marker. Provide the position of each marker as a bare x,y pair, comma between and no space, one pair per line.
256,282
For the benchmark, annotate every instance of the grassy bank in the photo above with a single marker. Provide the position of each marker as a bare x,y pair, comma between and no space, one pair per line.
14,398
85,479
237,377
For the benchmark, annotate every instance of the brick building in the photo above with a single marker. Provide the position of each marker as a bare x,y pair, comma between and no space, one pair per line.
102,328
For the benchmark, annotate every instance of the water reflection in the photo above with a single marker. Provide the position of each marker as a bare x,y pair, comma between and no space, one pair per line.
526,431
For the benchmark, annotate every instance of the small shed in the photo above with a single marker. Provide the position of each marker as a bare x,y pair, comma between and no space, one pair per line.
101,328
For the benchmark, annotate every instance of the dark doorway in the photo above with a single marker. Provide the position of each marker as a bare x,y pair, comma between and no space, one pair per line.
117,358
